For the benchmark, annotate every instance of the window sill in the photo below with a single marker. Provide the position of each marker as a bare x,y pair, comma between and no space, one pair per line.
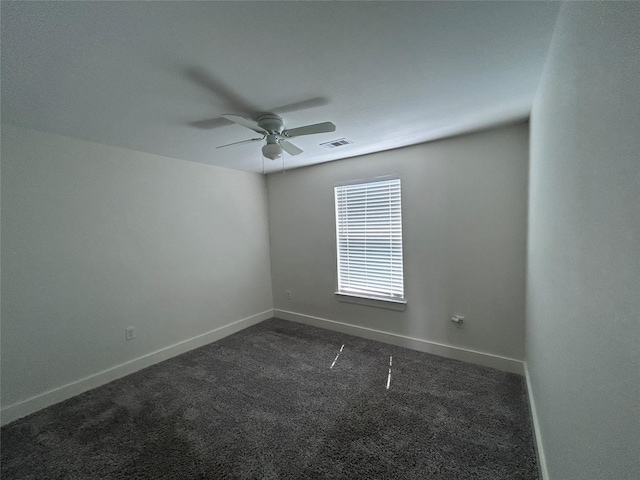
388,303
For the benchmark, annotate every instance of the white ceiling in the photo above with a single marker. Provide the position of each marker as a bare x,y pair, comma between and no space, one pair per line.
156,76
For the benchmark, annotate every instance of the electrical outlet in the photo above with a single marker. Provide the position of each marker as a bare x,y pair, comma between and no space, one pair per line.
288,294
130,333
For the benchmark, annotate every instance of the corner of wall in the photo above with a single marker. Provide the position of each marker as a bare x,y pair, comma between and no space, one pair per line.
542,461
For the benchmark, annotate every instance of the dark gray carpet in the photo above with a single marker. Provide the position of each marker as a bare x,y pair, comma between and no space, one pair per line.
264,404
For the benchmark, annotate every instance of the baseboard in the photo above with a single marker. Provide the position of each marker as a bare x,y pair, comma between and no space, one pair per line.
447,351
26,407
542,461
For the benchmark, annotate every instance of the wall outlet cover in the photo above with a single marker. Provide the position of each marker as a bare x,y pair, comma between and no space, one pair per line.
130,333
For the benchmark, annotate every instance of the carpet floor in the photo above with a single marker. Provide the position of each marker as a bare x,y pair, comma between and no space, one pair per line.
281,400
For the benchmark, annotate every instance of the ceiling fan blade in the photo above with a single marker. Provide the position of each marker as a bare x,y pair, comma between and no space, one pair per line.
245,122
302,105
290,148
209,123
206,79
240,143
310,129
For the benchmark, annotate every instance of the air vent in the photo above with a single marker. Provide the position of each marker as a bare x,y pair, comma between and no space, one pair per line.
336,143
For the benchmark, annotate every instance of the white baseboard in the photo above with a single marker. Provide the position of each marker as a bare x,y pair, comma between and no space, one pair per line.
447,351
23,408
542,461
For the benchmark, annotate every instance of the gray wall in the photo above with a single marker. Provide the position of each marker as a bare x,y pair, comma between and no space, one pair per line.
583,288
464,215
96,238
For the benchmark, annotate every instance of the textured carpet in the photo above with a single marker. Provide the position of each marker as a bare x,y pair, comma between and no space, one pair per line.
266,404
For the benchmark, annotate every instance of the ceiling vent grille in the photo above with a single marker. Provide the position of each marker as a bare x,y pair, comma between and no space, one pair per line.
336,143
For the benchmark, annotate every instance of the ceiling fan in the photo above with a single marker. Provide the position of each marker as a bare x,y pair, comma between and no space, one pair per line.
271,127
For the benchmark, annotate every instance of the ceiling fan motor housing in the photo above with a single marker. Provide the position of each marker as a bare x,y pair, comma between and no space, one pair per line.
271,123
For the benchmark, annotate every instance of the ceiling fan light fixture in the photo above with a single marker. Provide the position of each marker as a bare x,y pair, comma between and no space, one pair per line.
272,151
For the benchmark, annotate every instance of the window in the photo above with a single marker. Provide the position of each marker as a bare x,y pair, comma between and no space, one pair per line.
369,239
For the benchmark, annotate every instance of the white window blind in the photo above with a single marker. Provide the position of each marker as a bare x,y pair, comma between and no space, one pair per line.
369,236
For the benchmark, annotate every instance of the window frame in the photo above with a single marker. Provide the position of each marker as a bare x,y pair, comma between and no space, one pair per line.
390,302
